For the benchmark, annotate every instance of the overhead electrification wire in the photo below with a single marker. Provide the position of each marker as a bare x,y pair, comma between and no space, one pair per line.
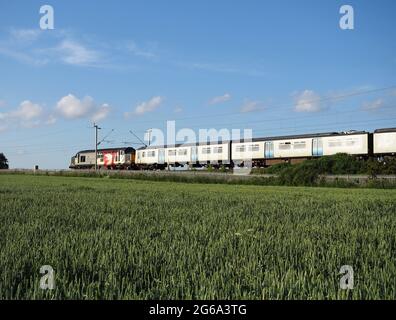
283,106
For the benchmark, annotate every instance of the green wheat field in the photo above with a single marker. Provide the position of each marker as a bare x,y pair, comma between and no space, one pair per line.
135,239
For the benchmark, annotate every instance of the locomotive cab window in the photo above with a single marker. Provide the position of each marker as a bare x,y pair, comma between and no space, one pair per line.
82,158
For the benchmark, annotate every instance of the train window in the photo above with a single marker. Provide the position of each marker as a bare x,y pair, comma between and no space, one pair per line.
182,152
299,145
205,150
284,146
150,153
254,147
143,154
171,152
218,150
240,149
82,158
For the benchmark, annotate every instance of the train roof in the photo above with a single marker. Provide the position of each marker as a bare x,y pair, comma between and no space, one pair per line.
300,136
107,149
385,130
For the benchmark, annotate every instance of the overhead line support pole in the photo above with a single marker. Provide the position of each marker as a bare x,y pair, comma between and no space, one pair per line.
96,145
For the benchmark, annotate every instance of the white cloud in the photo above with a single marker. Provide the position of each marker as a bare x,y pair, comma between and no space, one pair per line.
28,115
307,101
51,120
373,105
178,110
147,106
22,56
71,107
75,53
101,113
220,99
25,35
56,47
137,51
38,48
250,106
27,111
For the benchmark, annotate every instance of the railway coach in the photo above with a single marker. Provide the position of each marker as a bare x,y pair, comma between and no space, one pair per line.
296,148
194,154
385,141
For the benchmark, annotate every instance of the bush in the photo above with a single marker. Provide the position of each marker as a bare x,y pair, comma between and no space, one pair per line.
278,168
340,163
3,161
307,173
388,166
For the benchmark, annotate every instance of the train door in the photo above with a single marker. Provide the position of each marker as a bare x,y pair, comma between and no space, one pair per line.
161,156
194,154
268,149
317,147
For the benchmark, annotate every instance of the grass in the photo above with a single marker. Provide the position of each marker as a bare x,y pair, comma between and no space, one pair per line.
135,239
295,178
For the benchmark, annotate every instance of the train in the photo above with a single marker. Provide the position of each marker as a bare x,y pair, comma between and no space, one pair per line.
259,152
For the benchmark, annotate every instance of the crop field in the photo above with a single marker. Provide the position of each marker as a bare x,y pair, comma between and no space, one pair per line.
135,239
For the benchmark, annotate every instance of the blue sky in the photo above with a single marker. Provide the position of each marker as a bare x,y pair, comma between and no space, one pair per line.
276,67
